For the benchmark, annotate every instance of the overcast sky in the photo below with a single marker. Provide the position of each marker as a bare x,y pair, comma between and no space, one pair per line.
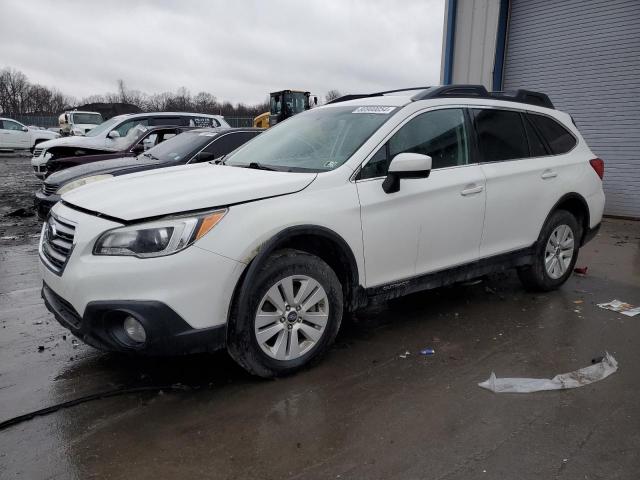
237,50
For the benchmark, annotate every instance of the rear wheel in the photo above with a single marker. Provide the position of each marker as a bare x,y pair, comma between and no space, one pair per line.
555,253
291,318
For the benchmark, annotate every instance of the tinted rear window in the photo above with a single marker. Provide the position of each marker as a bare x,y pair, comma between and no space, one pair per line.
558,138
501,135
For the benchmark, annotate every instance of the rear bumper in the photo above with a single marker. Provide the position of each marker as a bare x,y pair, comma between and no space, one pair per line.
590,234
101,326
43,203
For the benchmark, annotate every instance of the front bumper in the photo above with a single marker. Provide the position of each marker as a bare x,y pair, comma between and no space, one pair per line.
101,326
195,284
44,203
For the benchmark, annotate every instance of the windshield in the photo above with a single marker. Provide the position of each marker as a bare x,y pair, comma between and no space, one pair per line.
314,141
105,126
181,147
90,118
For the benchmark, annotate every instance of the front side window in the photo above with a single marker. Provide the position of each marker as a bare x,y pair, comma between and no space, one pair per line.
441,134
501,135
317,140
558,138
10,125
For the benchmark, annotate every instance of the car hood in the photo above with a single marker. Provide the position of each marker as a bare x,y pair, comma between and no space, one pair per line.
100,167
75,141
181,189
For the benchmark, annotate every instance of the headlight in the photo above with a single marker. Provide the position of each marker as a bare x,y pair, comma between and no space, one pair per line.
157,239
67,187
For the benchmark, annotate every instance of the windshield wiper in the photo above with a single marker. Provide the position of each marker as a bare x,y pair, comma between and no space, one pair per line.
259,166
151,156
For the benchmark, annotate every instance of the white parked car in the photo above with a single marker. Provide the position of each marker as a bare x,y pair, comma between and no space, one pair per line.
16,136
104,137
369,197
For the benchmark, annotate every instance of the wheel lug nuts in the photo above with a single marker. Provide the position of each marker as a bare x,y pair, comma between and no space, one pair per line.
290,327
298,308
281,319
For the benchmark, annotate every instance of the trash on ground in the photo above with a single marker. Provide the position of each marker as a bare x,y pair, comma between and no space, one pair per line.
427,351
578,301
621,307
581,270
575,379
41,348
405,354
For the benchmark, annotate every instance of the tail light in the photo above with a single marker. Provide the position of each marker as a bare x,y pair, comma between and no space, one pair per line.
598,166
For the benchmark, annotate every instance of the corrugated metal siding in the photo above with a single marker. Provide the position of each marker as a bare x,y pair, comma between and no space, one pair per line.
586,56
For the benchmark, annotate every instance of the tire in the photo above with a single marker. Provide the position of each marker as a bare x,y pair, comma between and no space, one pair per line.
551,266
260,340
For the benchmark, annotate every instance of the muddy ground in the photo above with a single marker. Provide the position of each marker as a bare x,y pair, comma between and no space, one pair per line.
369,410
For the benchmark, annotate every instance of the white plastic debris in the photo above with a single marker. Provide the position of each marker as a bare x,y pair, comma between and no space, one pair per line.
578,378
621,307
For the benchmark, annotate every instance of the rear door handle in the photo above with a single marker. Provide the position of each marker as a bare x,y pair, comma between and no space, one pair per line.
548,174
471,190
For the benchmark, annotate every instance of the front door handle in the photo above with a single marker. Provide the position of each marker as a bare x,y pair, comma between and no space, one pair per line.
549,174
471,190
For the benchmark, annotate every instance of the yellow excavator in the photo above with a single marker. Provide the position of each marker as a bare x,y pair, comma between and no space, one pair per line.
284,104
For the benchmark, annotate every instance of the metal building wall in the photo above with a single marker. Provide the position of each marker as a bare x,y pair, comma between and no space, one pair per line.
586,56
474,40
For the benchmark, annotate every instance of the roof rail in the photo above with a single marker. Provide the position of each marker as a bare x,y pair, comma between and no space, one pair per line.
525,96
355,96
462,91
452,91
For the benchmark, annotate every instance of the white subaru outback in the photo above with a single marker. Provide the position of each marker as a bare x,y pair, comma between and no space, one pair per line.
369,197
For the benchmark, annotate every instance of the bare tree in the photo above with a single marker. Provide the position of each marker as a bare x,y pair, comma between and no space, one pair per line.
332,95
19,96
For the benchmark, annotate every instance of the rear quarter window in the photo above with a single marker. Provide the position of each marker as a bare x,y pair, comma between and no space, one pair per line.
558,138
501,135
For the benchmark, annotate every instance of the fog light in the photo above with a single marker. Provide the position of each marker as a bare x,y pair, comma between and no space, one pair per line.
134,330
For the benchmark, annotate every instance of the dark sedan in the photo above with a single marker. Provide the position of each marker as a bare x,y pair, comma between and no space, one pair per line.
193,146
137,140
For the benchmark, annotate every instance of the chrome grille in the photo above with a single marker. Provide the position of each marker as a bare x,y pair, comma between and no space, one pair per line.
57,242
50,188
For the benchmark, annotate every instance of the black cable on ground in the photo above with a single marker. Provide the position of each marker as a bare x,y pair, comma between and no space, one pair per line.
89,398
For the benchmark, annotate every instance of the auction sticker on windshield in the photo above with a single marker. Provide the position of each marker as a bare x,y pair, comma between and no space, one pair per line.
374,109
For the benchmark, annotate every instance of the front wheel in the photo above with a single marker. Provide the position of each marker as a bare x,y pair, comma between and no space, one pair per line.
555,253
291,318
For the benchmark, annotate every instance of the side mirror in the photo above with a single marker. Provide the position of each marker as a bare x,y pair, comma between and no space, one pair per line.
138,148
205,157
406,165
113,134
25,129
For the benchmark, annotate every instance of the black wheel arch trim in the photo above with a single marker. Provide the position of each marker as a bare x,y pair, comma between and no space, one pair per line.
355,292
583,202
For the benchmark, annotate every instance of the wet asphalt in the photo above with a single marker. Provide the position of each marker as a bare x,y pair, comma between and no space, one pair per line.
368,410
